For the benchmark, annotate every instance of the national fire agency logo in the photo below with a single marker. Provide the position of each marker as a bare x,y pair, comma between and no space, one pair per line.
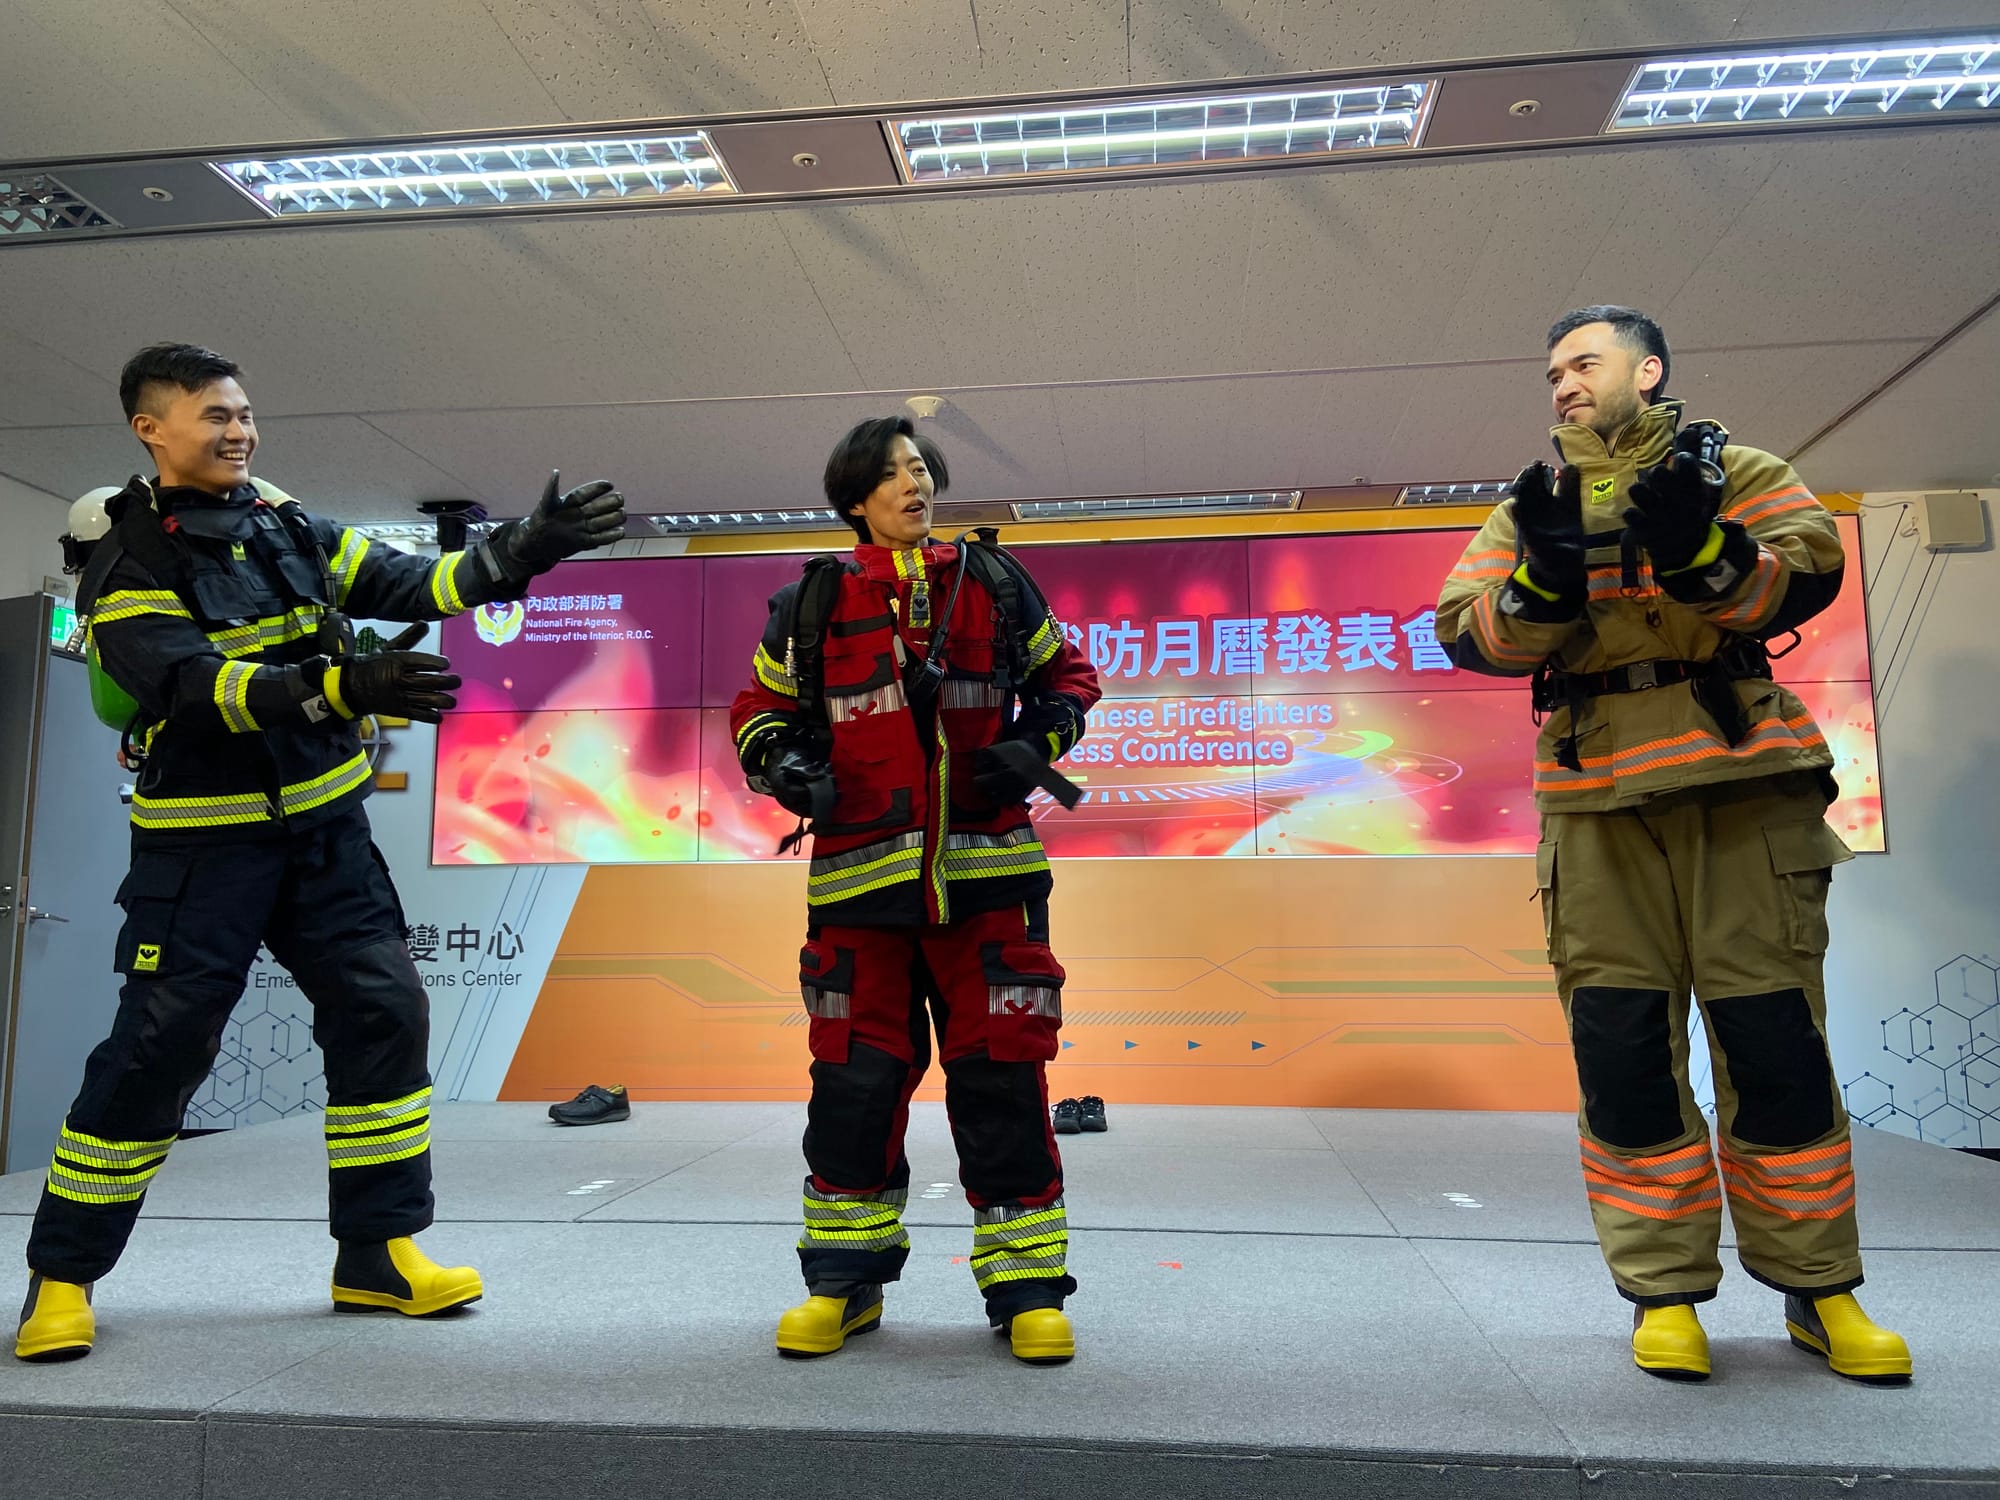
499,623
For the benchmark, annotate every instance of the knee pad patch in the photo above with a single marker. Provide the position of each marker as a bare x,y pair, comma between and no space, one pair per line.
850,1116
1624,1063
1777,1065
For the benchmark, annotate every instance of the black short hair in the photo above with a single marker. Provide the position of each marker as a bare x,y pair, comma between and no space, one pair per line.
186,366
855,466
1634,330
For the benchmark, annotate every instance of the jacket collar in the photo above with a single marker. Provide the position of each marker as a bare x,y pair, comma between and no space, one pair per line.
897,564
1642,441
199,512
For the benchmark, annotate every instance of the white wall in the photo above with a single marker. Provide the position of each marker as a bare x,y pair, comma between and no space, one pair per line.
30,522
1911,998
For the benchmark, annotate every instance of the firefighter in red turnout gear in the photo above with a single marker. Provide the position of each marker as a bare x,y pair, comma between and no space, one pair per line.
883,709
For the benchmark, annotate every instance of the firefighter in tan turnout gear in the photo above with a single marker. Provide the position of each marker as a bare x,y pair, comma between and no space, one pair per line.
1684,843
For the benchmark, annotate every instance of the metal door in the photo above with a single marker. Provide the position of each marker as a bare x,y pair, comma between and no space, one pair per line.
78,842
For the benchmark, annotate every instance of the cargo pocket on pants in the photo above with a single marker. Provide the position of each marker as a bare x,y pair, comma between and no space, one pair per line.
1023,999
826,981
150,895
1545,892
1802,859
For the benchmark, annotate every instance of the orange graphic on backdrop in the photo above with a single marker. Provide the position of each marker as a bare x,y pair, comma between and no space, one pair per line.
1279,982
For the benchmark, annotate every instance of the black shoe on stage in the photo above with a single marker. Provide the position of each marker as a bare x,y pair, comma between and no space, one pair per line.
594,1106
1068,1117
1090,1111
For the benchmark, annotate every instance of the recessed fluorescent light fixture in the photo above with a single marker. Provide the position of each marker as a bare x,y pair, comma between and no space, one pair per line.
1120,507
479,176
1210,130
1814,86
40,205
1469,492
689,522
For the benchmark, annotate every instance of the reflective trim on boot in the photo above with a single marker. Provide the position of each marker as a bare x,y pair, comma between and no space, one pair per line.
820,1325
1838,1331
398,1277
1042,1336
56,1321
1669,1342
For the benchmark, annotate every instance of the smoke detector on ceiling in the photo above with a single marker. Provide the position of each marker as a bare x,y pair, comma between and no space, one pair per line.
925,407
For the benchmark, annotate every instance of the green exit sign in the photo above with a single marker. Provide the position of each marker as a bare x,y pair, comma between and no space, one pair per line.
62,625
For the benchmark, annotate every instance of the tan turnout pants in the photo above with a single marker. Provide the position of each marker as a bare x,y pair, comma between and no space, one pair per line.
1719,891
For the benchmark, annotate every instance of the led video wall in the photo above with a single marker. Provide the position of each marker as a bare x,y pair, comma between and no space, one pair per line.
1263,696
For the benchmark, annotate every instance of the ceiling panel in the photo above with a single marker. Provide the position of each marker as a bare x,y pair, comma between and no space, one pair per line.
1856,236
1934,429
41,386
175,74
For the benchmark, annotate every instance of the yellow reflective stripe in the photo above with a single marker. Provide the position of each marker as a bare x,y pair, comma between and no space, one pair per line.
1001,1228
444,584
249,807
349,1116
112,1153
126,603
346,564
304,796
338,1144
755,726
232,697
772,675
262,635
402,1152
1043,645
856,872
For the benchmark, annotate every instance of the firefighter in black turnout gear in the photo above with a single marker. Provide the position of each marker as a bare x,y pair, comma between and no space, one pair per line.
219,608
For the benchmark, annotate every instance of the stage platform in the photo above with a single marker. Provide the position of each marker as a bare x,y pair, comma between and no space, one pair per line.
1275,1304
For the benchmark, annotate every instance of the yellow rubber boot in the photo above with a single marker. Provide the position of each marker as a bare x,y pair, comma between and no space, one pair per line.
821,1325
1836,1329
56,1321
398,1277
1042,1336
1669,1342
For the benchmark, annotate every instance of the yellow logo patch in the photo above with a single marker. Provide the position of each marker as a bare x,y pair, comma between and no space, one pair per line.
1600,490
147,958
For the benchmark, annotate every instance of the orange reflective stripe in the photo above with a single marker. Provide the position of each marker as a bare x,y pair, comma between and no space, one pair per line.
1686,746
1815,1184
1771,503
1493,564
1752,607
1674,1185
1496,649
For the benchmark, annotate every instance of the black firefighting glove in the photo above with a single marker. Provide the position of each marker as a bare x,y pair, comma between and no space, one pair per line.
400,684
591,515
1008,771
1548,516
1673,511
801,782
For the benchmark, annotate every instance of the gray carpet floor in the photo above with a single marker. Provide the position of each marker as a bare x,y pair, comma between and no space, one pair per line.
1274,1303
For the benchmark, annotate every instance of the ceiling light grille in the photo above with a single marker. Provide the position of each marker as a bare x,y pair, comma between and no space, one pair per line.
1143,134
483,175
1116,507
1924,80
40,205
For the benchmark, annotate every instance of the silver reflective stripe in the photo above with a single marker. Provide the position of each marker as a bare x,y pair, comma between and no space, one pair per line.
828,1005
1024,1000
1019,1244
1025,834
980,693
842,707
846,1222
